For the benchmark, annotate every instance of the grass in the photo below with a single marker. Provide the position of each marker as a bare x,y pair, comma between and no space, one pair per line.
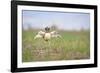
74,45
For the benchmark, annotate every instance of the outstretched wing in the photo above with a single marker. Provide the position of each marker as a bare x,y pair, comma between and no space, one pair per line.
55,34
40,34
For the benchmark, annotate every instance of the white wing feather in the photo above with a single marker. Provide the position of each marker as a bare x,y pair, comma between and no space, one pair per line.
41,32
39,35
55,34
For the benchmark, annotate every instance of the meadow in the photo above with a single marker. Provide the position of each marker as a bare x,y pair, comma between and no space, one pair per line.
73,45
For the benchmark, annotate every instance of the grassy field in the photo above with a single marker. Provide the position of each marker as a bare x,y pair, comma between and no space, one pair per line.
72,46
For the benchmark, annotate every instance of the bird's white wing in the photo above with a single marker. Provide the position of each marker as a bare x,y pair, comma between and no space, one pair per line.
40,34
53,32
37,36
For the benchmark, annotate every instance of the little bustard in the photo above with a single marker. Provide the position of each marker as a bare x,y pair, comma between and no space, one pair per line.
47,35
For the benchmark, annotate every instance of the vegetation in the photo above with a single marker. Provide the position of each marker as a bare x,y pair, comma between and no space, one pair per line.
72,46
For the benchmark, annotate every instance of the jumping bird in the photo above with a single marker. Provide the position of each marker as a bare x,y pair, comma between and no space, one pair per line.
47,35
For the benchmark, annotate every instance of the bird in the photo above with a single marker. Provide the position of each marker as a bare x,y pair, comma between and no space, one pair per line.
47,35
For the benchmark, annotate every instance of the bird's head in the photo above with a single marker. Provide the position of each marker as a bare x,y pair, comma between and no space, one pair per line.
47,29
